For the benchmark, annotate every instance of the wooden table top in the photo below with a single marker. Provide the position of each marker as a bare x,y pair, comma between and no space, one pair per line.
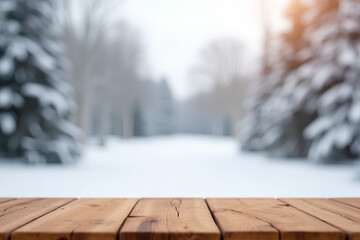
179,219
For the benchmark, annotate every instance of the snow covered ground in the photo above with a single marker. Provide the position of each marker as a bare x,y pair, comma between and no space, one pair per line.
187,166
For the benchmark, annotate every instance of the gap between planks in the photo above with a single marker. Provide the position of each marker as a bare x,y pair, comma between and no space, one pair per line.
3,200
353,202
250,219
337,214
80,219
170,218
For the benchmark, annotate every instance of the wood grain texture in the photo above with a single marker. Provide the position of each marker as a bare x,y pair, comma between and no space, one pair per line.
2,200
235,224
16,213
90,219
342,216
268,219
354,202
170,219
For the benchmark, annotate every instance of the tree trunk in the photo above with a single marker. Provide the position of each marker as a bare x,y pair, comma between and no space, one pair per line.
127,123
105,119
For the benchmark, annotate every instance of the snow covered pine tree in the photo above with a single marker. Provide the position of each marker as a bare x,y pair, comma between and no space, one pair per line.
320,94
273,122
34,100
334,80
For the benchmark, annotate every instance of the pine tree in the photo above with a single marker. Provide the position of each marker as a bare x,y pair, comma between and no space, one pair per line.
139,121
34,99
287,116
165,113
333,79
270,116
314,112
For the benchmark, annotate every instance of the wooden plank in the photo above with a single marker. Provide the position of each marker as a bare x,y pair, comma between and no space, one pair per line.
88,219
16,213
354,202
235,224
163,219
268,219
2,200
342,216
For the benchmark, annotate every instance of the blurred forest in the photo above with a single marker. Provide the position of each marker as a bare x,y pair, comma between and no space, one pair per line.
114,94
303,103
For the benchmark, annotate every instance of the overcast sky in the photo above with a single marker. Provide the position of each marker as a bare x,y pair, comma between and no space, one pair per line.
175,31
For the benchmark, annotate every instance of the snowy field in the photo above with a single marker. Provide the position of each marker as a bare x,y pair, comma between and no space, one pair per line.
187,166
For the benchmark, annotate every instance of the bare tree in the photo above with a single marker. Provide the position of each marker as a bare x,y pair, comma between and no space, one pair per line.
222,65
126,79
84,25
